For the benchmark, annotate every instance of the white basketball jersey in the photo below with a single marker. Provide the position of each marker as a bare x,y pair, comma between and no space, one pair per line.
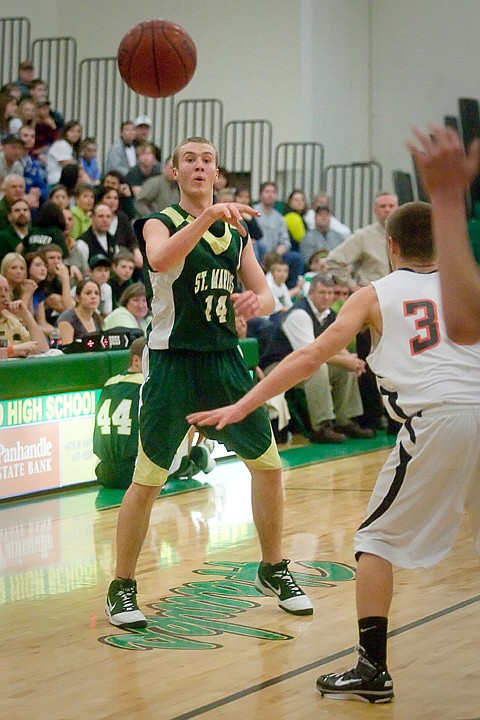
416,365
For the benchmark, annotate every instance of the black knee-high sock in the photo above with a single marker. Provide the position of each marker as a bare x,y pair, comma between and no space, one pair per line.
372,633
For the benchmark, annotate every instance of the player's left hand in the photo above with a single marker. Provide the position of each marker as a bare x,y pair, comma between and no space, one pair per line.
442,160
220,417
246,304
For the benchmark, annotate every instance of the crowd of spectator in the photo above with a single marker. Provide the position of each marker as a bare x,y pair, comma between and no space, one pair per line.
72,264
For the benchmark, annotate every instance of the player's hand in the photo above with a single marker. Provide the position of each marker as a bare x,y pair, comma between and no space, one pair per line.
358,365
220,417
246,304
241,326
231,213
441,159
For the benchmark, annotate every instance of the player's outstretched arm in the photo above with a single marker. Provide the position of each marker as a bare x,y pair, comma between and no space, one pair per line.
447,172
297,366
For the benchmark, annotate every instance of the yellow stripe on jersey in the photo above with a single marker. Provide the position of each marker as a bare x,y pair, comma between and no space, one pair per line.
134,378
218,244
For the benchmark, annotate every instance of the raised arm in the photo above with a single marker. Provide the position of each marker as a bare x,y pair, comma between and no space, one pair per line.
165,251
447,172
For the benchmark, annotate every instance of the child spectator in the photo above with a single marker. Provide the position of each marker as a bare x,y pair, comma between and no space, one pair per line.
76,260
277,278
317,265
100,272
88,160
121,277
82,210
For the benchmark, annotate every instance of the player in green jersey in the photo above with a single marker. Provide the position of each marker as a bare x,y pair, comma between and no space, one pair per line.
195,252
115,437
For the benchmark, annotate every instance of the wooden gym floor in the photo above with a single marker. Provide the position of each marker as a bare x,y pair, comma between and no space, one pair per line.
215,648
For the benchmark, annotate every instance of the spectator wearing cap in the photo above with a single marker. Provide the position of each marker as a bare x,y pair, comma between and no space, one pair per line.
39,92
10,154
133,311
143,127
122,155
335,224
26,75
100,272
321,237
146,167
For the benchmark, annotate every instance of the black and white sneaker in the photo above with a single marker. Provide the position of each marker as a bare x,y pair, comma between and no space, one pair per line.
277,581
121,606
367,682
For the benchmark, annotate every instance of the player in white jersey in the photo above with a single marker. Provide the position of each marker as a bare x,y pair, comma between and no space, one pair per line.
433,386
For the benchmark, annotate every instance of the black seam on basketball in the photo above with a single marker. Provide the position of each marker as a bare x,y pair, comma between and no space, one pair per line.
133,58
174,47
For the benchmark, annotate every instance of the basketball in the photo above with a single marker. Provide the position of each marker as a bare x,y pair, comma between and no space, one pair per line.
157,58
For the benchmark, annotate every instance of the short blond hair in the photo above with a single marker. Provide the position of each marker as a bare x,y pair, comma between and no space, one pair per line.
195,139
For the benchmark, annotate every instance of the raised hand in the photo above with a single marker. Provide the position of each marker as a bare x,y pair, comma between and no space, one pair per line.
441,159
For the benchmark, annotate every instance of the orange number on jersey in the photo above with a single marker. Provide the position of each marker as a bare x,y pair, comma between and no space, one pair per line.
426,321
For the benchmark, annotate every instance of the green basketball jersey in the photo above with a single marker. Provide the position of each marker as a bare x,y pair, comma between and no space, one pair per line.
115,437
191,303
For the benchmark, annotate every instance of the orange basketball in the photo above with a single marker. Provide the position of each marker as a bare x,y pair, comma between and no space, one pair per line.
157,58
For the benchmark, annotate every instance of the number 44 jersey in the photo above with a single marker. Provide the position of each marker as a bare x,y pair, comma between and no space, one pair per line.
115,437
416,365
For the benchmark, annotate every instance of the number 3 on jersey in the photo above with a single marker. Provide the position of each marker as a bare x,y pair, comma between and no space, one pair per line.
426,322
120,419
